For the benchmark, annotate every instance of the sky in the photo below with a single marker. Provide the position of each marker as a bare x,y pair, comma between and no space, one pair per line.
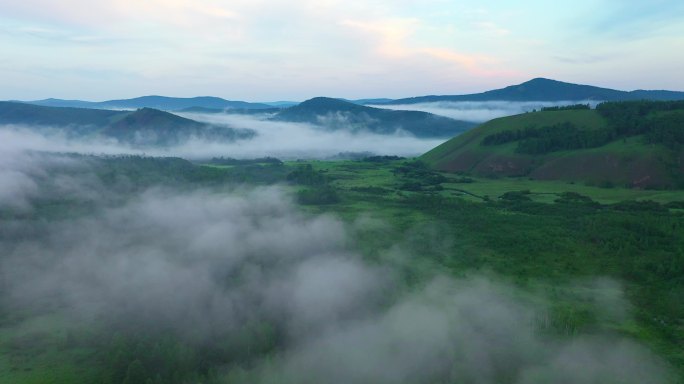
269,50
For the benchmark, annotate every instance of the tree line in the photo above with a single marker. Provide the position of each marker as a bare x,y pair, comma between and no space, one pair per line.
535,140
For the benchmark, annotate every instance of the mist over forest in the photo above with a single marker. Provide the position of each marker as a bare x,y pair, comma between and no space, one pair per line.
265,293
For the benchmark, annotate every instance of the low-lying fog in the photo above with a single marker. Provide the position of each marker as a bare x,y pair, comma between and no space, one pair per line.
204,265
481,111
276,139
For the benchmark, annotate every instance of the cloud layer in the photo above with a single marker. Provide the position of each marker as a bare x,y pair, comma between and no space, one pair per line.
480,111
278,139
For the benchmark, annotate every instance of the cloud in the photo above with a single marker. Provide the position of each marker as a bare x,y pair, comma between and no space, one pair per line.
261,49
265,49
464,331
480,111
391,41
291,140
633,20
24,176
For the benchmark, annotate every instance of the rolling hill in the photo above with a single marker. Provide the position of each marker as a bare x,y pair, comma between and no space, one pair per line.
634,144
336,114
143,127
541,89
76,119
156,102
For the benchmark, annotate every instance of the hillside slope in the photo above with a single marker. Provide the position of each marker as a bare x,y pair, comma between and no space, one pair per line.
335,114
142,127
572,145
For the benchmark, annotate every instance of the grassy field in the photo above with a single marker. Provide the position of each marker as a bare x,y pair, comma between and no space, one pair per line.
38,352
548,191
354,176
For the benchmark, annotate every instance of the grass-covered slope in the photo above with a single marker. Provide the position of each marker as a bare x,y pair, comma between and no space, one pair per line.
590,146
338,114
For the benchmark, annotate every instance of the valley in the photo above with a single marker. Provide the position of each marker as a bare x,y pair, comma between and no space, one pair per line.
535,238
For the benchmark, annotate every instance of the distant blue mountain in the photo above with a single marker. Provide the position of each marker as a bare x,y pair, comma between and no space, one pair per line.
62,103
156,102
541,89
538,89
141,127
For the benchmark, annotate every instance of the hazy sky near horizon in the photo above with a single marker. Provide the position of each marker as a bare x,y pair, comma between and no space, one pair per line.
267,50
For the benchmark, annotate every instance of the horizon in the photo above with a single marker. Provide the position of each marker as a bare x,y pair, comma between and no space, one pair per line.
292,100
276,50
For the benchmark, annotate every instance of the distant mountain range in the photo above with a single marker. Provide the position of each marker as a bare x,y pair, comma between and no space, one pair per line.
540,89
142,127
141,120
336,114
156,102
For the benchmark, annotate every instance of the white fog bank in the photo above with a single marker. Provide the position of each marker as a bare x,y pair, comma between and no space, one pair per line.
481,111
275,139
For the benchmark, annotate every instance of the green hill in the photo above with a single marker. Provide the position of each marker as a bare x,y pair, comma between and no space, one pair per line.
336,114
634,144
143,127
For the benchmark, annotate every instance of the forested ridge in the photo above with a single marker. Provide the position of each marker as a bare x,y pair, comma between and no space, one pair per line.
659,123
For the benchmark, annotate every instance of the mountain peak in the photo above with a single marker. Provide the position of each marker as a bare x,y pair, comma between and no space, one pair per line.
328,103
543,80
149,115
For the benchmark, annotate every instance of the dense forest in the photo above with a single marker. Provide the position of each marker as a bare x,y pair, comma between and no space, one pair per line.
659,123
